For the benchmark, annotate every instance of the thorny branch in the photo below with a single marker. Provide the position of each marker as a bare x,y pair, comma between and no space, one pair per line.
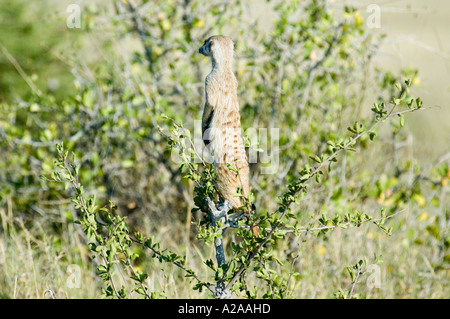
312,174
177,264
139,26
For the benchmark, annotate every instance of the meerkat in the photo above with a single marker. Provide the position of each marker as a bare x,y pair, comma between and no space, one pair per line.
221,122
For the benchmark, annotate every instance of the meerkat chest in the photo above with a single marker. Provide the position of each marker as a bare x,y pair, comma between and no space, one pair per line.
225,131
220,87
225,119
222,106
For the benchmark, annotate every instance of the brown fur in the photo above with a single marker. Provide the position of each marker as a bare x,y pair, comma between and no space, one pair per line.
221,119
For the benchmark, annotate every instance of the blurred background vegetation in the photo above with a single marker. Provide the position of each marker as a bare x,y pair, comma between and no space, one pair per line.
310,68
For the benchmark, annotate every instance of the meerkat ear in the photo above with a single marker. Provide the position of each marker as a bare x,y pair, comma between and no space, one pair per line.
206,40
210,45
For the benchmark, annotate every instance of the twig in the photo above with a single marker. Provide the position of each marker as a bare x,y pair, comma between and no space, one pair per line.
19,69
130,266
217,22
358,136
328,51
307,230
72,138
139,26
290,276
310,70
221,292
51,293
355,281
311,175
255,251
75,183
349,223
177,264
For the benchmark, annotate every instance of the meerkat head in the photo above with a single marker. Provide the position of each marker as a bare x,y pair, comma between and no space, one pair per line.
219,48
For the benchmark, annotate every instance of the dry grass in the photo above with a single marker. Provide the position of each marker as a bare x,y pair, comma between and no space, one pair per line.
37,264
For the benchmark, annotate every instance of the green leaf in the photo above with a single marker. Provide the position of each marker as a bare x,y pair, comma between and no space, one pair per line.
402,120
122,292
316,158
140,291
408,82
127,163
251,197
419,102
102,269
395,101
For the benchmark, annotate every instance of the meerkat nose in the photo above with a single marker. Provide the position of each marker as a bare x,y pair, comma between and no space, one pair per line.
202,51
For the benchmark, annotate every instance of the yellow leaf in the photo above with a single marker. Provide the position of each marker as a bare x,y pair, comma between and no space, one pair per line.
444,181
423,216
200,23
321,250
388,269
240,72
165,25
285,84
158,50
419,199
358,18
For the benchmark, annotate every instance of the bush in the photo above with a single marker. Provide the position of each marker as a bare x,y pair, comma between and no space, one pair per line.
137,180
